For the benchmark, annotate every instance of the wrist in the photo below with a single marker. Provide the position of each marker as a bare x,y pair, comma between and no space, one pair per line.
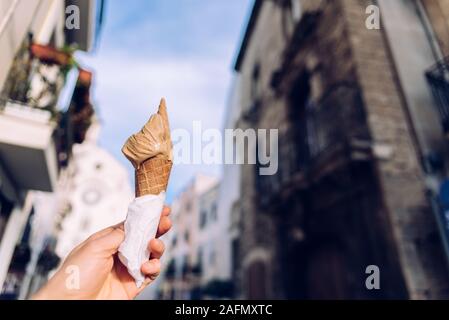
52,290
41,294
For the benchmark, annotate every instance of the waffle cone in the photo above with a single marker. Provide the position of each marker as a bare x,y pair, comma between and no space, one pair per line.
152,176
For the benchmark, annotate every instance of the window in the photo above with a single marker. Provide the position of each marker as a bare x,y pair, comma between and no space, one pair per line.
213,212
299,105
203,218
255,82
212,257
314,139
200,256
6,207
235,257
296,10
438,79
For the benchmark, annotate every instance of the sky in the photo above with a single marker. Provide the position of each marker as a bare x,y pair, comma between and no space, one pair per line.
182,50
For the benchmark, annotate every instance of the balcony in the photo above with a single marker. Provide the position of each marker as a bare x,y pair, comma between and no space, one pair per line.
302,31
332,133
438,79
27,149
36,136
28,117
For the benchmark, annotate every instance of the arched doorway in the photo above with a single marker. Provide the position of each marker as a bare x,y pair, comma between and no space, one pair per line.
326,273
256,275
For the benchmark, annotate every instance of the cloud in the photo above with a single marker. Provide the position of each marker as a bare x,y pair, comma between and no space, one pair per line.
128,92
143,59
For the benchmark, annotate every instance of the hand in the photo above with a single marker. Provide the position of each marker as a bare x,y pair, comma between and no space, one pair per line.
93,271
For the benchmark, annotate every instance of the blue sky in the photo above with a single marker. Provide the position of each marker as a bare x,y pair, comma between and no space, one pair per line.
180,49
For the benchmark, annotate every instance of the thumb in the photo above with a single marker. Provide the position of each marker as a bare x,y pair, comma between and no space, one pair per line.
112,240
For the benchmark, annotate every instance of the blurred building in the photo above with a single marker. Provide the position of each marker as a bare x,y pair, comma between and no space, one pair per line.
215,247
362,158
97,197
229,195
38,128
192,265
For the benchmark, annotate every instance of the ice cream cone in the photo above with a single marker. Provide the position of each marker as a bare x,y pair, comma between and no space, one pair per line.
150,152
152,176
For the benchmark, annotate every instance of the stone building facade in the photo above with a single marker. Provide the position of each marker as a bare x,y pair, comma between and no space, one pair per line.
360,162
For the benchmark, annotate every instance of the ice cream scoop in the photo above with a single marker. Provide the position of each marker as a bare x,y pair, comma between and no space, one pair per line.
150,152
152,140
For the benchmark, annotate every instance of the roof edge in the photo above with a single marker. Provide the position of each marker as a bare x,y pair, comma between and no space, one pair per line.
248,33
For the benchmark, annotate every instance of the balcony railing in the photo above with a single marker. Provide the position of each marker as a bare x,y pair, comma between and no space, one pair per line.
328,127
37,75
29,108
338,118
438,79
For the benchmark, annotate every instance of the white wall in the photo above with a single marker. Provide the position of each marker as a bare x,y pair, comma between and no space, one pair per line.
17,18
412,52
99,194
229,190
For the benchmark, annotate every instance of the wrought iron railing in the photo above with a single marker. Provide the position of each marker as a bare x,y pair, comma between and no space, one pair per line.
438,79
337,118
333,122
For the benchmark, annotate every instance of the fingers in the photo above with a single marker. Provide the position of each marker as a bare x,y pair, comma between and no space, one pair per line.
156,247
164,226
151,268
164,222
110,238
166,211
105,231
111,241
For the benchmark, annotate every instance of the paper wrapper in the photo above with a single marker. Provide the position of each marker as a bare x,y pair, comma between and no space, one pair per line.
141,226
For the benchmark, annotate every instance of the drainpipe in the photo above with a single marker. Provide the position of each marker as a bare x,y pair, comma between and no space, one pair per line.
438,54
432,180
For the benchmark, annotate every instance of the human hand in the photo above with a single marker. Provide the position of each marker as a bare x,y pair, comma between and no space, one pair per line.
93,271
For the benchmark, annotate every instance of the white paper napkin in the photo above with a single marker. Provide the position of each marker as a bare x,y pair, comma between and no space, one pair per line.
141,225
